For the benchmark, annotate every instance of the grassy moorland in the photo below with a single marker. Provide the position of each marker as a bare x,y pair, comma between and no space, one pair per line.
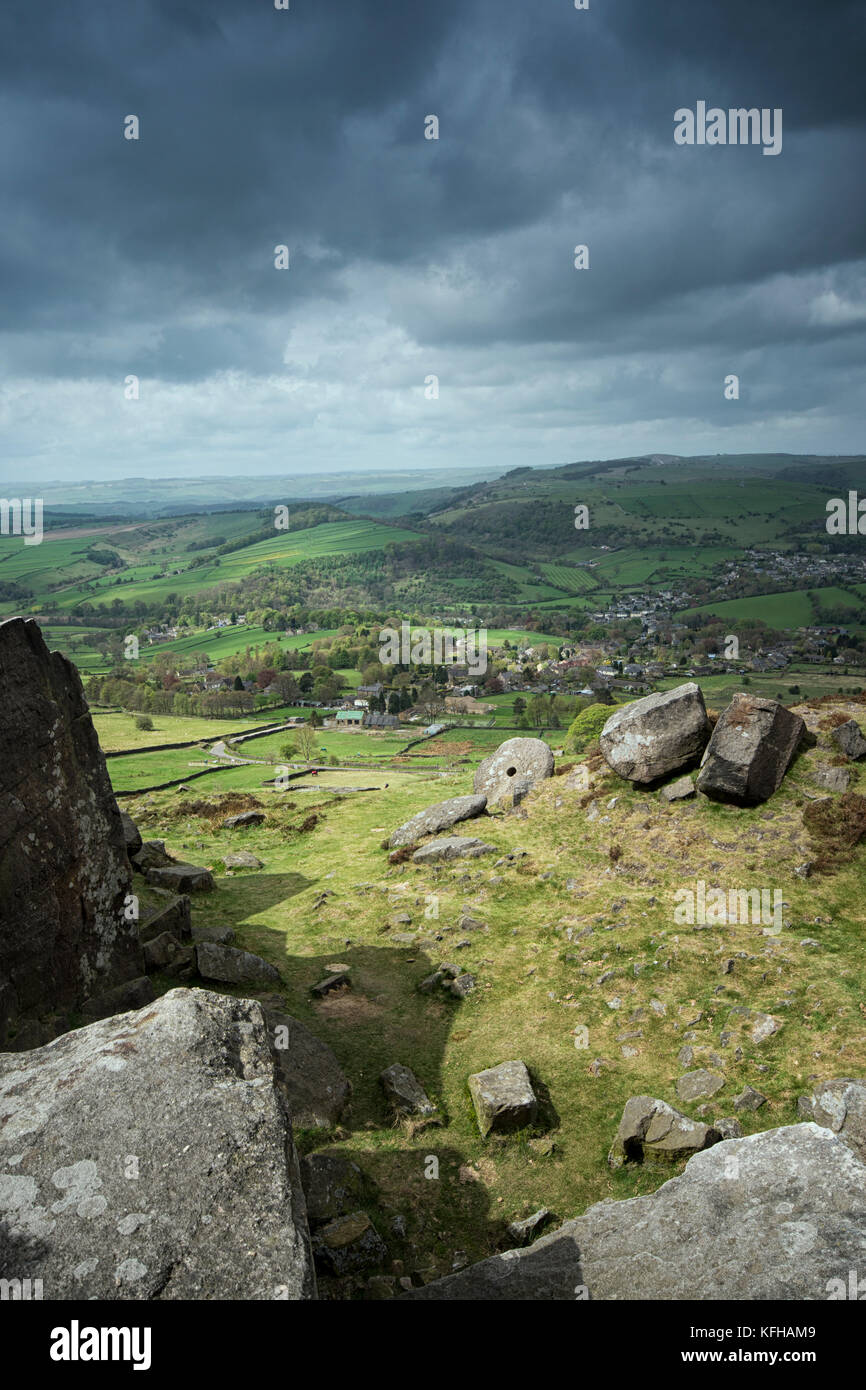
578,934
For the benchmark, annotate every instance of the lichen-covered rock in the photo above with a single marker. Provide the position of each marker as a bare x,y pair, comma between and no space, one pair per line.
434,819
517,766
750,750
503,1098
840,1105
775,1216
151,1156
660,734
680,790
65,929
242,859
232,966
652,1129
697,1084
832,779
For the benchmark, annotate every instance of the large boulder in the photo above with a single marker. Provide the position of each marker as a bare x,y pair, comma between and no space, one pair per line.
232,966
503,1098
750,750
66,932
660,734
313,1082
514,769
778,1215
839,1105
849,739
151,1156
435,819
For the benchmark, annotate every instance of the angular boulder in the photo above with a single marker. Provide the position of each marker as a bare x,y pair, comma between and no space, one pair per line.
680,790
405,1092
839,1105
242,859
232,966
775,1216
64,871
517,766
182,878
150,1156
131,834
660,734
849,739
750,750
348,1243
451,847
175,917
652,1129
437,818
503,1098
316,1089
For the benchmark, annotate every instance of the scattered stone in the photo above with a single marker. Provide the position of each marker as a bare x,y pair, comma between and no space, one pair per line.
435,819
696,1084
405,1092
503,1098
151,855
686,1056
161,951
221,936
849,739
242,859
175,917
232,966
729,1128
186,1087
524,1232
181,878
832,779
662,733
463,985
451,847
316,1089
652,1129
518,765
339,980
749,1099
679,790
760,1026
333,1186
347,1244
245,818
750,750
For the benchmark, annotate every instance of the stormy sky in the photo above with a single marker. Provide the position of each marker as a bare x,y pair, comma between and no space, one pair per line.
412,257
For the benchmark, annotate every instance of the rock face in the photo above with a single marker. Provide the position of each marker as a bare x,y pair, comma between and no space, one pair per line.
849,740
652,1129
658,735
514,769
232,966
313,1082
503,1098
437,818
750,750
64,872
778,1215
451,847
839,1105
151,1156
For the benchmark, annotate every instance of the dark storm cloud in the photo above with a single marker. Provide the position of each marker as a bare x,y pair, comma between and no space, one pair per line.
260,127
